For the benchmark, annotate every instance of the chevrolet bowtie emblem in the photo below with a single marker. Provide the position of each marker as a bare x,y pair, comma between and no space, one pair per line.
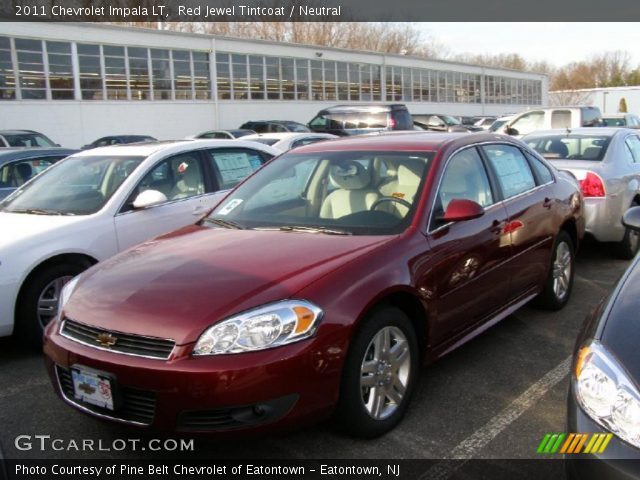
106,340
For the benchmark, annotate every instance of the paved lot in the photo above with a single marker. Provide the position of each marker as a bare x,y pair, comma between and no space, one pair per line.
494,398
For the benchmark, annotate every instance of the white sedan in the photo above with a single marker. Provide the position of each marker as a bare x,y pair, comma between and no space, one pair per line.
285,141
99,202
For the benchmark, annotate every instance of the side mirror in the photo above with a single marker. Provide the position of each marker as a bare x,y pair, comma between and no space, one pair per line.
149,198
631,219
511,131
460,209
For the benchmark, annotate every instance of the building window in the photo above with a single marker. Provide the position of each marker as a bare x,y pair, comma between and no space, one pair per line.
288,79
239,76
90,72
60,70
161,74
182,84
223,81
342,80
302,79
139,73
273,78
201,75
256,77
31,68
7,75
354,81
115,72
330,92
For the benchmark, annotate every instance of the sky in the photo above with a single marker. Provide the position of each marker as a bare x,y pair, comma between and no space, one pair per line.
556,42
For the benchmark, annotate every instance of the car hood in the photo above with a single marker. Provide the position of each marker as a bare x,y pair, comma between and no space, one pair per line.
24,227
622,324
178,285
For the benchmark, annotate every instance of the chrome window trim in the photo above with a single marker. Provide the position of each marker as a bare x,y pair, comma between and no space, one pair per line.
97,347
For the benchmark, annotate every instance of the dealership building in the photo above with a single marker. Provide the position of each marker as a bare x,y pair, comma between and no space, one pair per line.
76,82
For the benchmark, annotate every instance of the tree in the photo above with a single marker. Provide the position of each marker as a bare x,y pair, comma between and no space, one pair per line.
622,106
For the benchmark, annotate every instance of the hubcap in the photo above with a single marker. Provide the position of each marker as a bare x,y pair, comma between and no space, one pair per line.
562,270
633,240
48,300
385,372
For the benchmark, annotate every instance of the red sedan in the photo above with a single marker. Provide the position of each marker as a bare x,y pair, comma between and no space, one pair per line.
319,286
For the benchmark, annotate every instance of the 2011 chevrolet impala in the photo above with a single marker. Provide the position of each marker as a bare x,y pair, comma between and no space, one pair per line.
319,285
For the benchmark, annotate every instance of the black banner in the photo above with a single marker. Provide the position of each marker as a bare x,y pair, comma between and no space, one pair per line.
318,10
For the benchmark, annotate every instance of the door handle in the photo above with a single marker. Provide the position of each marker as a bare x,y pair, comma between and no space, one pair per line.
548,203
496,227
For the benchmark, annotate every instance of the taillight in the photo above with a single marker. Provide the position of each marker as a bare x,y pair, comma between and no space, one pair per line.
592,186
392,123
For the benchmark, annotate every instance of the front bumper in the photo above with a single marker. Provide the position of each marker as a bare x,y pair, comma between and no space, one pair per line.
8,294
280,387
603,218
619,460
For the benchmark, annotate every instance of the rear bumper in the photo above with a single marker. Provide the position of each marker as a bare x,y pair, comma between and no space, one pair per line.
603,218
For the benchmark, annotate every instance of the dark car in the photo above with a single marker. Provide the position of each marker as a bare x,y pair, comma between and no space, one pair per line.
318,286
627,120
604,394
118,140
24,138
19,165
274,126
225,134
345,120
442,123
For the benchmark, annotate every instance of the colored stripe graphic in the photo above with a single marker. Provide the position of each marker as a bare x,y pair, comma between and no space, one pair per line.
582,441
574,442
543,443
567,442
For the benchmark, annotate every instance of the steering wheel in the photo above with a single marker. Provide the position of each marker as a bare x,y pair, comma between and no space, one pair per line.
390,199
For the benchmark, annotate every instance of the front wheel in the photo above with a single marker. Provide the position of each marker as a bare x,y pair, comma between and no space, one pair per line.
379,374
559,283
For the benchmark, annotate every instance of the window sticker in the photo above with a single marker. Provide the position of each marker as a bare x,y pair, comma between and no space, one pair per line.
233,167
230,206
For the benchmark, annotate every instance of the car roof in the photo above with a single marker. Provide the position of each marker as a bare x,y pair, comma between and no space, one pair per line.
286,135
382,107
20,153
18,132
409,141
604,131
149,148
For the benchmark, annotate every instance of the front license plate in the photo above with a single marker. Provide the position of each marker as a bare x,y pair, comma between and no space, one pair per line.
93,388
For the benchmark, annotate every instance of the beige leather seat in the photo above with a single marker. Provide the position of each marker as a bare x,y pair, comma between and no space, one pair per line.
354,193
403,186
190,184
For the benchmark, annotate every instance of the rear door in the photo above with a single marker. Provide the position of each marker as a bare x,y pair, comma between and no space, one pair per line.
467,261
529,202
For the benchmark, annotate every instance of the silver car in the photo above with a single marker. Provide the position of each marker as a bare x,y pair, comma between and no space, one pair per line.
606,162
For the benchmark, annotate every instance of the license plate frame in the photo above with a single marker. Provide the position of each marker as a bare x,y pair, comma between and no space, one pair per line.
93,387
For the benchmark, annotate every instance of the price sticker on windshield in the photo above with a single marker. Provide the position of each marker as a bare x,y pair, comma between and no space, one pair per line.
230,206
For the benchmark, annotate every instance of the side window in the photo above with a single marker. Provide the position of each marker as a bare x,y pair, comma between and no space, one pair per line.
511,168
307,141
464,178
16,173
102,142
233,166
560,119
542,172
633,143
176,177
528,123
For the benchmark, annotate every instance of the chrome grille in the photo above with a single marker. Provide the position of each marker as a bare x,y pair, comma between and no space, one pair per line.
125,342
138,406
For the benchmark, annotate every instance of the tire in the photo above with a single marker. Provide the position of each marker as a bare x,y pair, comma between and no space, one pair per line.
358,413
627,248
46,283
558,286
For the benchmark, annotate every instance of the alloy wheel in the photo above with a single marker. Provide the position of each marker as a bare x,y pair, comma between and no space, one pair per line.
49,298
562,270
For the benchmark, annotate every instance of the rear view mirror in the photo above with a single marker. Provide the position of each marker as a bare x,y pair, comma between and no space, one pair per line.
460,209
149,198
631,219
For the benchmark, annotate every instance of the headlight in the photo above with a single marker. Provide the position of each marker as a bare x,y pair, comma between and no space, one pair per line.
66,292
606,393
264,327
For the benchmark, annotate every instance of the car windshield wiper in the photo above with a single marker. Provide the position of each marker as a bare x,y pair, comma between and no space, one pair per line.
302,228
39,211
224,223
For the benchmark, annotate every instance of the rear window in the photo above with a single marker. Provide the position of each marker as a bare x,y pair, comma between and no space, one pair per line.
570,147
350,120
614,122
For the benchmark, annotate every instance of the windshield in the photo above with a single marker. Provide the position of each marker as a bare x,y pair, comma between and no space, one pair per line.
296,127
497,124
450,120
569,147
351,193
28,140
75,186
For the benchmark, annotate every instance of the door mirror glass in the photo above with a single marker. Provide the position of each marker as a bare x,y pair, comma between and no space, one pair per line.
631,219
149,198
461,209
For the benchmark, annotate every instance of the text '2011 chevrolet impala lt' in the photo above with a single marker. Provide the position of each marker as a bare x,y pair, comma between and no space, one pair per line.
319,286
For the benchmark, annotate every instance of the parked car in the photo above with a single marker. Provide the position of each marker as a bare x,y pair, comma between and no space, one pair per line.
118,140
552,118
604,397
19,165
346,120
442,123
273,126
485,122
319,284
628,120
98,202
287,141
606,162
225,134
466,120
499,122
24,138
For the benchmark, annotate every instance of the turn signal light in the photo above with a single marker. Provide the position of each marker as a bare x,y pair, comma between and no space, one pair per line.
592,186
